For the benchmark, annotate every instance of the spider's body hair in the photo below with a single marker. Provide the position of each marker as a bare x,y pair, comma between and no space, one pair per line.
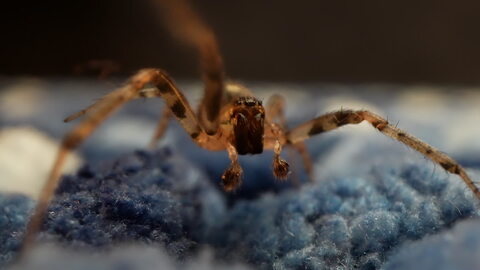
242,124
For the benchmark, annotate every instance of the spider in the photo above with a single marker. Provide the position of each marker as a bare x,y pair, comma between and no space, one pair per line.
229,116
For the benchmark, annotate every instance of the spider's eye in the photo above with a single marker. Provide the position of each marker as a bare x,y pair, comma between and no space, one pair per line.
259,116
242,116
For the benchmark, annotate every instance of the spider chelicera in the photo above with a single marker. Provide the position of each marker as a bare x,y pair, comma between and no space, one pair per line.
229,117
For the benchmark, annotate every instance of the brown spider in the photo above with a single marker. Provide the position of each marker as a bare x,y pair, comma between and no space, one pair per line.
229,116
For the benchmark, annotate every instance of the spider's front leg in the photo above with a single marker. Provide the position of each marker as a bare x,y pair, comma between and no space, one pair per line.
330,121
95,115
186,25
161,127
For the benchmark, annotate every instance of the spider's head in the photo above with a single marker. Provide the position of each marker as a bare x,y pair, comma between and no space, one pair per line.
247,119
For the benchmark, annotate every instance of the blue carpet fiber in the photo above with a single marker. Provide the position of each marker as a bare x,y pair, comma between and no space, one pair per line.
170,214
374,204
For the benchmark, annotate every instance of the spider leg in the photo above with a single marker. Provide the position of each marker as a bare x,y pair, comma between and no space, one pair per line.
340,118
307,160
98,112
232,177
275,113
164,119
275,110
161,126
143,93
185,24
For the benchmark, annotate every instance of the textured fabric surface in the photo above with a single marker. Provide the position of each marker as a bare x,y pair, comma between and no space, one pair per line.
374,203
49,257
455,249
13,216
158,199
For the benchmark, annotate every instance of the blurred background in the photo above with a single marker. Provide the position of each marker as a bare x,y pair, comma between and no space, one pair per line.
431,41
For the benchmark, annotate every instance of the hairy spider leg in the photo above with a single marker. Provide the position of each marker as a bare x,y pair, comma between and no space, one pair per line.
98,112
333,120
301,149
275,113
186,25
275,110
162,126
143,93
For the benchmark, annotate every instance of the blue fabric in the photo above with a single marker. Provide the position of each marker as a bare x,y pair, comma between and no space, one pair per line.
159,199
13,216
457,249
374,204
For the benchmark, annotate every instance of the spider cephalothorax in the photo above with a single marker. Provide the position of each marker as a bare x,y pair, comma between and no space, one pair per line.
247,118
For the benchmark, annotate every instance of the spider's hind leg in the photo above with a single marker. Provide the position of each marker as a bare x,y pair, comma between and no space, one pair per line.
333,120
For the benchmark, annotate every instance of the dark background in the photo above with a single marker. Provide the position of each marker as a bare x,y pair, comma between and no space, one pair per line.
433,41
